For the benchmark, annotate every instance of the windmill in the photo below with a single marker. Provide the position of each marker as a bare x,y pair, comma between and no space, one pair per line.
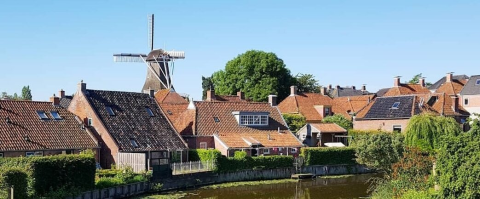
158,62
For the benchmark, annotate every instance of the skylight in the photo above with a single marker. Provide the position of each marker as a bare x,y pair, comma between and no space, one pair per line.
42,115
216,119
55,115
149,111
134,143
395,105
478,82
110,110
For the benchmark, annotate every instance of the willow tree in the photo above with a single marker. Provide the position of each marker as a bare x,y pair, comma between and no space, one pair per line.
424,131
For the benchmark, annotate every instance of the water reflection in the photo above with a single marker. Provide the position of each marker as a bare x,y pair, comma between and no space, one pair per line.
349,187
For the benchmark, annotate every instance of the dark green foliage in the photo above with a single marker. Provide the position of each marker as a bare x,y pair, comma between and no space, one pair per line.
379,150
240,154
26,93
107,182
416,79
119,177
328,156
340,120
263,162
294,121
354,133
256,73
207,84
458,165
424,131
306,83
18,179
204,155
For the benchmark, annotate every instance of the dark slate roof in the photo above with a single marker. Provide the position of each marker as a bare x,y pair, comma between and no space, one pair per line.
382,108
382,92
471,88
345,92
132,121
441,81
65,101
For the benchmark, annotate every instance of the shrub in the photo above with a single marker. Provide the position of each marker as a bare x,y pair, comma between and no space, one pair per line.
240,154
263,162
16,178
294,121
107,182
340,120
354,133
328,156
204,155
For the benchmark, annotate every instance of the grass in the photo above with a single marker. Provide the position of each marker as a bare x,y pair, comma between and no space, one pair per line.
248,183
173,195
335,176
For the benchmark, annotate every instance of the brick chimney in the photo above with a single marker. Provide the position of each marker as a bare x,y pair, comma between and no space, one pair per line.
454,103
151,92
82,86
241,95
323,90
421,81
55,100
329,87
62,93
293,90
396,81
272,100
364,87
353,87
338,87
210,95
449,77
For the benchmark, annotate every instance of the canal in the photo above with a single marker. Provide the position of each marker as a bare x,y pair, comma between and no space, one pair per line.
325,188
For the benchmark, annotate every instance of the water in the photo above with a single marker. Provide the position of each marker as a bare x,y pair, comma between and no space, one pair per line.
347,187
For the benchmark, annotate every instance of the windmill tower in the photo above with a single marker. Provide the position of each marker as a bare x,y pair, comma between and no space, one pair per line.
158,62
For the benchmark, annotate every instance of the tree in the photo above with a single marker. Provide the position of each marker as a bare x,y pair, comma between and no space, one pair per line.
424,131
207,84
306,83
256,73
294,121
340,120
26,93
416,79
5,95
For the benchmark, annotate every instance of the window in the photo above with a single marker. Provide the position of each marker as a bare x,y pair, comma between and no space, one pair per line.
397,128
266,151
42,115
252,120
304,136
293,150
216,119
31,153
203,145
110,110
395,105
55,115
149,111
1,155
465,102
89,122
134,143
477,82
327,111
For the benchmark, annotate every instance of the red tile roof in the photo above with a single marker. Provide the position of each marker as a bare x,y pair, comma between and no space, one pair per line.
406,89
328,128
42,134
169,96
348,105
304,104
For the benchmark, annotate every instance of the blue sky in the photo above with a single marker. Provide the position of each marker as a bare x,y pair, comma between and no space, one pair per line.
52,45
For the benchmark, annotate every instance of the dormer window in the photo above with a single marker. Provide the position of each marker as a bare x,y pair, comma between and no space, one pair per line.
42,115
55,115
110,111
252,118
395,105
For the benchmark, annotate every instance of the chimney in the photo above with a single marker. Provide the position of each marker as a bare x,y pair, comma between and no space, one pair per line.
62,93
82,86
323,90
55,100
364,87
329,87
449,77
353,87
272,100
210,95
241,95
455,103
338,87
151,92
293,90
396,81
421,81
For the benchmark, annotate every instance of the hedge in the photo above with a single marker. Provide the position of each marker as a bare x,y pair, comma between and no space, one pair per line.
263,162
328,156
204,155
17,178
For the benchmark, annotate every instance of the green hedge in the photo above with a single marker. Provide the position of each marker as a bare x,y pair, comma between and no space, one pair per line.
204,155
264,162
17,178
328,156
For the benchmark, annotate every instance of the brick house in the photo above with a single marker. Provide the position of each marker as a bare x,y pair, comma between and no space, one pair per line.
317,134
445,99
229,126
32,128
470,95
128,124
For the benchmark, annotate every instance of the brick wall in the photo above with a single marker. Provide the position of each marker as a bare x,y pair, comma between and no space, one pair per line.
473,103
194,141
384,125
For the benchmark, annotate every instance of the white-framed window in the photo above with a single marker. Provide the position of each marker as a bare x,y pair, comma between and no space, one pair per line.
33,153
465,102
1,155
280,149
397,128
304,136
90,122
266,151
293,150
203,145
327,110
254,120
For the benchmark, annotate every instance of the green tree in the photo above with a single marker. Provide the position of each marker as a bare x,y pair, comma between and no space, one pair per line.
340,120
26,93
306,83
207,84
416,79
5,95
294,121
256,73
424,131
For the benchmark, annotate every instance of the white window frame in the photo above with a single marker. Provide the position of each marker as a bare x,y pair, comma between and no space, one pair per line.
395,107
396,126
110,111
32,153
205,145
89,122
293,150
266,151
58,114
42,115
254,120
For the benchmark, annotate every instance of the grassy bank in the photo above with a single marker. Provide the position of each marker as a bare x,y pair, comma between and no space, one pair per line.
335,176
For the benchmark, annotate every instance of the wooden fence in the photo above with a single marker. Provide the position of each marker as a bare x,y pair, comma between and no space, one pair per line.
135,160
